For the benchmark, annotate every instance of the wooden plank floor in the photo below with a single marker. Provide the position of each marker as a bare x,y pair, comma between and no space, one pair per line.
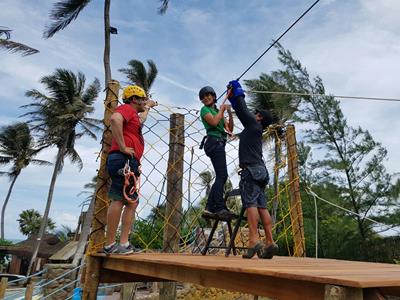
257,275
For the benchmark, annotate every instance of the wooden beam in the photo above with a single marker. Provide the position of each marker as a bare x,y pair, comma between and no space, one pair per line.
92,277
112,276
3,287
281,288
101,202
173,210
29,291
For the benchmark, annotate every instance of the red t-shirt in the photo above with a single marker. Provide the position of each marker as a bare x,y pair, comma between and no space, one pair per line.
132,130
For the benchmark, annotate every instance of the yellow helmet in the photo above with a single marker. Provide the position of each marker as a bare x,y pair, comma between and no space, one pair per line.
133,90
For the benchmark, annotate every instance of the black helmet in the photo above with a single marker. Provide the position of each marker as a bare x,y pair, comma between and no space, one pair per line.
206,90
266,117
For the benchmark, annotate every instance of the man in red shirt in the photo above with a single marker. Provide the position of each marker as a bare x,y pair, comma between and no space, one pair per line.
126,151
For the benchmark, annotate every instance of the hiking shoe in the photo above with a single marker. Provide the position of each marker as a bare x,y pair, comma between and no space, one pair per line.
110,250
118,249
268,252
226,214
250,252
208,213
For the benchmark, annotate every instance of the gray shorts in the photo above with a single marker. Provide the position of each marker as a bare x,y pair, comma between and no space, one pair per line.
253,181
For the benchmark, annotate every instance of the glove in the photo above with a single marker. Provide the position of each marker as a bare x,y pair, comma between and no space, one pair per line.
236,89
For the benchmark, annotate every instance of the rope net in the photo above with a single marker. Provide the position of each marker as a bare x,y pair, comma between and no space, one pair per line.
190,230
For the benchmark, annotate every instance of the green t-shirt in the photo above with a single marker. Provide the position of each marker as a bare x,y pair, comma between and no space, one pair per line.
217,131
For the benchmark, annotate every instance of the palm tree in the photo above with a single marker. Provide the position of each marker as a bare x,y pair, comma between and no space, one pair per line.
11,46
65,11
137,73
60,117
30,221
17,147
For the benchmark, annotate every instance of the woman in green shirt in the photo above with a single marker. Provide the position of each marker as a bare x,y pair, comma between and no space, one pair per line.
214,147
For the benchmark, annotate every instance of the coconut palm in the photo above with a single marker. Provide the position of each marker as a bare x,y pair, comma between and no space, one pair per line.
30,221
137,73
66,11
60,118
17,148
11,46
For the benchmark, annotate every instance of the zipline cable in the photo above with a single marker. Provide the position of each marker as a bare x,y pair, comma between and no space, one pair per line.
275,41
324,95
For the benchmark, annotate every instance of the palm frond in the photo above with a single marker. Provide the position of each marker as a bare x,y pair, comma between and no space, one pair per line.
136,74
151,73
14,47
40,162
62,14
164,6
6,32
92,92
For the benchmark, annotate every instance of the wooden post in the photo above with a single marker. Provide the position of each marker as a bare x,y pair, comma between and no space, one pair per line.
334,292
29,291
173,210
96,241
3,287
101,202
296,212
91,278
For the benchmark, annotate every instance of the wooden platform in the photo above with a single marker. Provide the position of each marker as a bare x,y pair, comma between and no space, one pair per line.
280,278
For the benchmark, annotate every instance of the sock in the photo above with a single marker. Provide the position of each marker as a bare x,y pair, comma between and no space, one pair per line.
125,245
109,246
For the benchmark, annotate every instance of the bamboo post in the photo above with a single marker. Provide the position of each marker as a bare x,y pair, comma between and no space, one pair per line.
96,241
29,291
296,212
173,210
3,287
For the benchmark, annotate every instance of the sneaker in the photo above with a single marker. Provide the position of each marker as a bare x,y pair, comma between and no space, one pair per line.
110,250
226,214
118,249
268,252
208,213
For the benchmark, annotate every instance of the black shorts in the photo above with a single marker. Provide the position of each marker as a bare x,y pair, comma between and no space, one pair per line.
115,166
253,181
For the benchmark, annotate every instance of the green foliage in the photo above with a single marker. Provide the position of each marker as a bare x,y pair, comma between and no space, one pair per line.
17,147
29,222
348,171
65,233
137,74
61,116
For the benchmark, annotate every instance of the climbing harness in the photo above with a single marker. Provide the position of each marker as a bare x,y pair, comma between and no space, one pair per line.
131,185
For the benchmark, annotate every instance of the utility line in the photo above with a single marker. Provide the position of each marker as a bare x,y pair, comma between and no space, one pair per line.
323,95
312,193
275,42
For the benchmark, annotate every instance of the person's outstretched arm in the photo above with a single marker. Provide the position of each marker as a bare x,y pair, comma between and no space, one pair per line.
236,97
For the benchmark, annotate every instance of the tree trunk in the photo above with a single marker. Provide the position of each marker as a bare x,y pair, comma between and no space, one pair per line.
60,156
3,210
84,234
106,59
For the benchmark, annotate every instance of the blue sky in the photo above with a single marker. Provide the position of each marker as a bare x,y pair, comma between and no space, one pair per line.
352,45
